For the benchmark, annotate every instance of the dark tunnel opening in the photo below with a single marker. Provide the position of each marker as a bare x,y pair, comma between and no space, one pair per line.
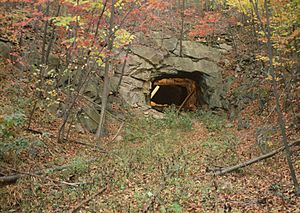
179,91
170,94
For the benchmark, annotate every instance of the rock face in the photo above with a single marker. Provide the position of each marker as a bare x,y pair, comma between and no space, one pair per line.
157,56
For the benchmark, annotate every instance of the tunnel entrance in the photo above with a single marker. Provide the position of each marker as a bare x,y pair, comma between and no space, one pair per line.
170,94
180,92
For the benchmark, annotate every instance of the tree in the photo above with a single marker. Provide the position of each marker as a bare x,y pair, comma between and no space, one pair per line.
182,27
110,42
278,108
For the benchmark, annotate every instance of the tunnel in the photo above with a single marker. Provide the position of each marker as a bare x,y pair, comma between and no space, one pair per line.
170,94
180,92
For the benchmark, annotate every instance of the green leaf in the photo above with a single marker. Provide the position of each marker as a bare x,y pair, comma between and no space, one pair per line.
176,208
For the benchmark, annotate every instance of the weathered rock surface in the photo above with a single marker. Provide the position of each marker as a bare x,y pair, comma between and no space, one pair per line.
158,55
225,47
89,118
188,65
151,55
197,50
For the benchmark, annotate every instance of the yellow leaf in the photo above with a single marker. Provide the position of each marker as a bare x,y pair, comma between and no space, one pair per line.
269,77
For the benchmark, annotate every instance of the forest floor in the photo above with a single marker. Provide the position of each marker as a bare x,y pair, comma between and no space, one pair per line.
160,165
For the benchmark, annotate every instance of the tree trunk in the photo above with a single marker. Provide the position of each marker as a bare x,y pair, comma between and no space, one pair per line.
53,37
100,130
278,108
182,27
45,34
199,7
123,70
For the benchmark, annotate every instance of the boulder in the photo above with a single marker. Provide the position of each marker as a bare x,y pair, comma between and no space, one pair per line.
134,61
149,54
132,83
141,74
211,90
132,96
199,51
167,44
188,65
92,89
89,118
225,47
163,71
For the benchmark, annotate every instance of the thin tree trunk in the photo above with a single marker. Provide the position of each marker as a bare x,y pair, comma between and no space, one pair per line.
256,10
100,130
37,96
71,98
281,120
30,117
53,37
182,27
98,22
123,70
199,7
68,111
45,34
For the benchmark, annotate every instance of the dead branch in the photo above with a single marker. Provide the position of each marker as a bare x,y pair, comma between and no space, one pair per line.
8,180
12,179
185,100
34,131
78,206
221,171
119,130
50,179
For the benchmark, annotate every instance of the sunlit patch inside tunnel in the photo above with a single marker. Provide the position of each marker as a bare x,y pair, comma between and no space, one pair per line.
178,92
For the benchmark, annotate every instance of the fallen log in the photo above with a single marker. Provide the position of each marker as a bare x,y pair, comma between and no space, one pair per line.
12,179
221,171
8,180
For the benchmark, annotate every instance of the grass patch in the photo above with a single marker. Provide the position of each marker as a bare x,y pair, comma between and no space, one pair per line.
212,122
220,150
154,153
142,130
78,166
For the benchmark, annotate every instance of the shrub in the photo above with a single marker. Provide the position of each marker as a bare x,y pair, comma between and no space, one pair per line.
9,123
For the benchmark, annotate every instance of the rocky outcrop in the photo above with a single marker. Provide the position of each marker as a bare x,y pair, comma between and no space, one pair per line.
158,55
